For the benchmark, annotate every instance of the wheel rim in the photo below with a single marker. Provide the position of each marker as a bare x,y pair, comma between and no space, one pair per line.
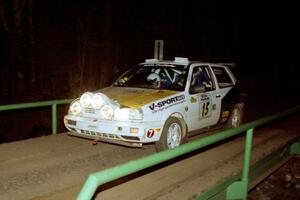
174,136
236,118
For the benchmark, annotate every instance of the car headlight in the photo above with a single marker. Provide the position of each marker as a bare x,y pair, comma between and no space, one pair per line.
86,99
97,101
75,108
107,111
128,114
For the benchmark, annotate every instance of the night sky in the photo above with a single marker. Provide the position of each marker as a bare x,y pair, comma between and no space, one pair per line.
72,46
57,49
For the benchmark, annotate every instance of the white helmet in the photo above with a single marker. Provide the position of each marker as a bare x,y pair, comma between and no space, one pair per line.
154,80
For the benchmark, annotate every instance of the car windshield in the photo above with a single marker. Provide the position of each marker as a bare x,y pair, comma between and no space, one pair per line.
155,76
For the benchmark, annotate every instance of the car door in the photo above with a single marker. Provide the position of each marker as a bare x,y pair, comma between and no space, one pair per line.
225,82
204,100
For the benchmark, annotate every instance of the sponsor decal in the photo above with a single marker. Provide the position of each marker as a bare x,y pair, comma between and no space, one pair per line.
150,133
206,106
158,64
157,130
193,100
166,103
204,97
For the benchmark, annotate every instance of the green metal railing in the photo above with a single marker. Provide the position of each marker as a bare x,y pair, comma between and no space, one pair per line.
52,103
237,190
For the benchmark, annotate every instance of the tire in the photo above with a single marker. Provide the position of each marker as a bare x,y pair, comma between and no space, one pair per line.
173,134
236,116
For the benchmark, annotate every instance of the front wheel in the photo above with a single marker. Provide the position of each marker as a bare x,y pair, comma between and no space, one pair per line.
173,135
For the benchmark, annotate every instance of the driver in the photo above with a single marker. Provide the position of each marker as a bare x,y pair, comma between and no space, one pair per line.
153,80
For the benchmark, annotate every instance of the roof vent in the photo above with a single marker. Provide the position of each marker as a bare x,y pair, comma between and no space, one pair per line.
181,60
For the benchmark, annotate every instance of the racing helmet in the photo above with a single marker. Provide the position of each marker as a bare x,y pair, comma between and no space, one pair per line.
154,80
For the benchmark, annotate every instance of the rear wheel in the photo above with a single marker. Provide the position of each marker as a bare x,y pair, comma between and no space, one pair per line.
236,116
173,135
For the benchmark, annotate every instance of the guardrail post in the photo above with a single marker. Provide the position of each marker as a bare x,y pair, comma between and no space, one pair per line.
247,158
239,189
89,188
295,149
54,118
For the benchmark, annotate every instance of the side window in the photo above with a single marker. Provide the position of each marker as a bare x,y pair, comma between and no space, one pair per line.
201,80
222,76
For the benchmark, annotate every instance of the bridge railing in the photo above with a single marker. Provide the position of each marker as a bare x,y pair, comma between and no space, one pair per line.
237,190
52,103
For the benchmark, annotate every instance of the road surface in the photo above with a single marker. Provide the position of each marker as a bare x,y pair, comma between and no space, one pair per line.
56,166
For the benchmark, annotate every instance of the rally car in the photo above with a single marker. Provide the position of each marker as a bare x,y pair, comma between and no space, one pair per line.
159,101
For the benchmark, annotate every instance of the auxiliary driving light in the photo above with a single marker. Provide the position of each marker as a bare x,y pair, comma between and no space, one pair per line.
86,99
97,101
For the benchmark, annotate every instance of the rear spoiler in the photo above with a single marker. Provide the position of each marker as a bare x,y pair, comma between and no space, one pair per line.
232,65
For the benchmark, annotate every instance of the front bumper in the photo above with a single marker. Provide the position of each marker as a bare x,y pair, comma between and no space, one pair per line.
125,133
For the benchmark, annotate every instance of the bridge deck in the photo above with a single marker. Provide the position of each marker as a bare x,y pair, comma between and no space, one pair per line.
56,166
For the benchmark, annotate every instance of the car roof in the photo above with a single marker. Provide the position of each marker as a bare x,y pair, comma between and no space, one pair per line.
181,61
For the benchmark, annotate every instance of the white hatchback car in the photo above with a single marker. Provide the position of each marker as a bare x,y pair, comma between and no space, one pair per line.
158,101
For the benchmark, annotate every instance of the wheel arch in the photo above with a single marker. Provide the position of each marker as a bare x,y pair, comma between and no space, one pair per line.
161,144
182,121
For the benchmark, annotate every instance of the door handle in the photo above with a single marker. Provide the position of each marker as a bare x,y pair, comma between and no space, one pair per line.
218,96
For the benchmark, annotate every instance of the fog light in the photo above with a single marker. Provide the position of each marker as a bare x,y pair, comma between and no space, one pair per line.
134,130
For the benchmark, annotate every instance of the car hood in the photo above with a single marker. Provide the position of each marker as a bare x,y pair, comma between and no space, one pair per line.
135,97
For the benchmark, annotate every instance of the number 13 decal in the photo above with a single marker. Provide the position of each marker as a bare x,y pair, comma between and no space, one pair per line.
205,109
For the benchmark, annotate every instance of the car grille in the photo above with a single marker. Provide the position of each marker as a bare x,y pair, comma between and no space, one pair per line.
103,135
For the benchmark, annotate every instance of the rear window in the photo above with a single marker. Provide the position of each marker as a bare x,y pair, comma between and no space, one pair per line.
222,76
